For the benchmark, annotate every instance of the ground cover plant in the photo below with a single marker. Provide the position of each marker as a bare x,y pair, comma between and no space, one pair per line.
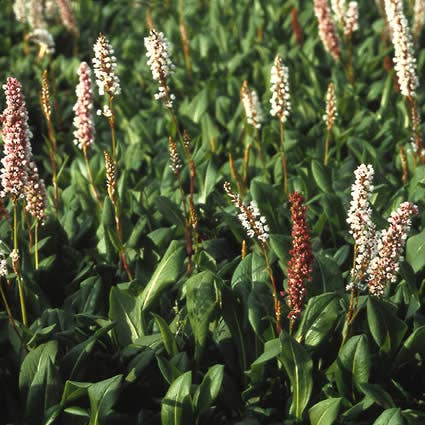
212,212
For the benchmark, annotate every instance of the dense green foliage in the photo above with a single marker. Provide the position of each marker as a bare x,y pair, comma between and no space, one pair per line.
172,347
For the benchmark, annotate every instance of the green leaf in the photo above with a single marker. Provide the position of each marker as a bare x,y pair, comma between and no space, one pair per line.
272,349
415,251
260,308
321,176
232,315
319,319
208,183
174,404
126,310
166,273
414,344
378,395
201,303
35,361
168,370
208,390
77,411
102,396
74,360
167,336
352,366
390,417
40,382
74,390
386,328
139,363
170,211
325,412
299,367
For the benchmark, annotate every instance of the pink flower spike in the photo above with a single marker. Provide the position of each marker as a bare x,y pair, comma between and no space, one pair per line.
327,30
384,266
35,195
300,264
83,119
16,136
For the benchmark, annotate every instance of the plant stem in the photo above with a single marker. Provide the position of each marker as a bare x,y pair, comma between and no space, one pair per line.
245,164
28,224
52,155
328,134
260,150
283,158
36,244
16,262
119,233
111,121
277,305
91,180
8,310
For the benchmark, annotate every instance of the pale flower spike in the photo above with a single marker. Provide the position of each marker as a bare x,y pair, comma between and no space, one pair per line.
252,106
35,194
419,17
83,109
331,111
44,40
280,100
159,61
351,21
327,30
362,227
386,263
16,136
104,66
253,222
404,60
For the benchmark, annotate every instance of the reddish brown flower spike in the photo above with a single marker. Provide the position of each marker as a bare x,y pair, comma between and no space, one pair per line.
300,264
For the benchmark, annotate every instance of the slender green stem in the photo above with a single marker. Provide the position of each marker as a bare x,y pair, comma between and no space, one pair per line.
260,150
283,158
16,263
6,304
52,154
91,180
277,306
174,119
8,310
120,238
36,244
111,121
328,134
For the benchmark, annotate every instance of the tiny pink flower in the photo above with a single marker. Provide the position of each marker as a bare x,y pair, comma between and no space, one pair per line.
16,136
83,119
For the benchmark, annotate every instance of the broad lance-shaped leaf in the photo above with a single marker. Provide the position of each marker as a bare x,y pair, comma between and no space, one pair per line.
414,344
208,390
299,367
165,274
39,381
201,302
74,360
325,412
175,402
390,417
167,336
126,310
386,328
352,367
35,361
319,319
415,251
102,396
